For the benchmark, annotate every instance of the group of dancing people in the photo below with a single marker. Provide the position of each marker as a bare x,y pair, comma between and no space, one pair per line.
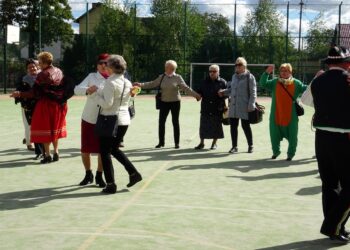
108,92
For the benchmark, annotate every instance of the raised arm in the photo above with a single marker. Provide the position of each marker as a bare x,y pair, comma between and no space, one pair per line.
152,84
184,87
83,86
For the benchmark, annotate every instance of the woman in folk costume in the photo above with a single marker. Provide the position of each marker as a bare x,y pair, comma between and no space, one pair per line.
283,117
49,117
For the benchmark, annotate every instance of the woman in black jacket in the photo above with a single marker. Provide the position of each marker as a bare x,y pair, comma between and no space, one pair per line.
212,108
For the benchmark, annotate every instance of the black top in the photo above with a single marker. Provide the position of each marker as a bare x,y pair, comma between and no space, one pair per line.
211,103
331,94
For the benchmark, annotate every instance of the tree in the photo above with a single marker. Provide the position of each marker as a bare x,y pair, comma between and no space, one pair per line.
263,37
319,38
55,17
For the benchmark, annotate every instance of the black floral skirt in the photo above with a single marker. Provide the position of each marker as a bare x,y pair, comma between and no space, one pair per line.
211,127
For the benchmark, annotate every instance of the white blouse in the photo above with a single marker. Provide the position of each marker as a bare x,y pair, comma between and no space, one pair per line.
91,108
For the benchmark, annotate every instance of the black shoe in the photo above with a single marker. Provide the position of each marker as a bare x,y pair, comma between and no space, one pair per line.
134,178
341,239
89,178
160,145
200,146
233,150
55,157
213,146
111,188
30,148
24,141
99,180
289,158
274,157
177,146
250,149
46,159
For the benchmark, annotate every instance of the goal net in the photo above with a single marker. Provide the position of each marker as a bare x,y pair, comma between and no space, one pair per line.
200,71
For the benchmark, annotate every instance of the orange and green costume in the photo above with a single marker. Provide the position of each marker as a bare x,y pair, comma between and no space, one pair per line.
283,116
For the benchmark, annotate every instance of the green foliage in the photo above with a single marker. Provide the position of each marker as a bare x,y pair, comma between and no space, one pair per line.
264,39
55,17
319,38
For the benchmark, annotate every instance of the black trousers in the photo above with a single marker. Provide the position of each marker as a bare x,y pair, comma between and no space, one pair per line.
333,157
165,108
234,131
38,148
108,147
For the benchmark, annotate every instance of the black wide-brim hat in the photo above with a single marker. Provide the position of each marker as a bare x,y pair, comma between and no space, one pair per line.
337,54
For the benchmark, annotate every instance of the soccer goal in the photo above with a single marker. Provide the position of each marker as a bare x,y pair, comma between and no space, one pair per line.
199,71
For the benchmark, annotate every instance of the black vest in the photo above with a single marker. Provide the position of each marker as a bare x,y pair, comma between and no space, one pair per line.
331,94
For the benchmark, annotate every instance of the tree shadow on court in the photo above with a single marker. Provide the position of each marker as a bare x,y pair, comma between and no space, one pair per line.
318,244
22,162
309,191
166,154
245,166
36,197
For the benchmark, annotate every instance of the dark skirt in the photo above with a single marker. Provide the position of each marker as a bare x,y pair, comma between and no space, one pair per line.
210,127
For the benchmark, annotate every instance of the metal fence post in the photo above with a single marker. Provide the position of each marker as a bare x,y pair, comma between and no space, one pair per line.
5,57
287,34
87,38
339,22
134,44
185,38
40,3
235,33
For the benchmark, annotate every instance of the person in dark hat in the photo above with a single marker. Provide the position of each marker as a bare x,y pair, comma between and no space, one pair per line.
331,95
89,141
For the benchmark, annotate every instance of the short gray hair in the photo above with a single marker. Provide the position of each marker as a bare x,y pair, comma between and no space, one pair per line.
172,63
215,67
117,63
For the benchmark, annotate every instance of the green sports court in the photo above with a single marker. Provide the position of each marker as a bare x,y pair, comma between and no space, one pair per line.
188,199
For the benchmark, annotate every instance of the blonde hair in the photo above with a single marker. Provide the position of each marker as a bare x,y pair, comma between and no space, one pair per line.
287,66
172,63
241,60
45,57
214,66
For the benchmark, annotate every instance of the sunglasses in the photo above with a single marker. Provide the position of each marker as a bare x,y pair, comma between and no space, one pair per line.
212,71
239,65
100,63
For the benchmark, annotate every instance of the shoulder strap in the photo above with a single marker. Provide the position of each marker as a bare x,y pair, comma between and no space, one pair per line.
160,84
121,98
287,91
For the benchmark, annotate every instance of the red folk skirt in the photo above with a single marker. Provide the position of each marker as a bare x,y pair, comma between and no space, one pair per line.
48,121
89,141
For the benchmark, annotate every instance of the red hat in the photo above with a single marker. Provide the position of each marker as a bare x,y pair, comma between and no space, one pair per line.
102,57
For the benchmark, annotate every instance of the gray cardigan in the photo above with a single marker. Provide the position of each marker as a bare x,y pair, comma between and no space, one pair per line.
238,93
170,87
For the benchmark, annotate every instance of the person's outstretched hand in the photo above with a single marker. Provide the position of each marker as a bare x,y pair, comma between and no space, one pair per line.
269,69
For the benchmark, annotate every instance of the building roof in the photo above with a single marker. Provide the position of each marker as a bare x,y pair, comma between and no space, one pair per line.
94,7
343,35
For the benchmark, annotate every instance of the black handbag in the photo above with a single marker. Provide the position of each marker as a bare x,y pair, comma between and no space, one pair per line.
107,125
132,111
255,116
298,108
159,94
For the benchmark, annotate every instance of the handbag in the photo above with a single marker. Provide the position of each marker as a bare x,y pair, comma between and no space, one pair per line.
298,108
107,125
131,109
159,94
255,116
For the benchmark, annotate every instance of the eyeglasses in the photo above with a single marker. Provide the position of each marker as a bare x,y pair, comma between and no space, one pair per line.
100,63
239,65
212,71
